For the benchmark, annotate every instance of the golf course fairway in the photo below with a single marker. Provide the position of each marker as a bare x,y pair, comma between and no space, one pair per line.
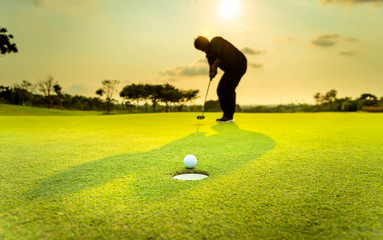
271,176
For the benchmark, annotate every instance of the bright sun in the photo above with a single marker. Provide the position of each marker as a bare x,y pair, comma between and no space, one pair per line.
229,9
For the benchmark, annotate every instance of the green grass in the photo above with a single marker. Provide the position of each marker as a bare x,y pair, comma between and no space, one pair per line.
271,176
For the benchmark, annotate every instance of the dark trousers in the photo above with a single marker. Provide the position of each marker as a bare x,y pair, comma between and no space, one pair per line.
226,90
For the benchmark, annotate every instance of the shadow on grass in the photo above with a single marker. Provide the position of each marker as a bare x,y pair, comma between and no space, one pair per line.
218,155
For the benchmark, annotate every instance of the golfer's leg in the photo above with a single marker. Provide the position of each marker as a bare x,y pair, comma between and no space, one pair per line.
230,97
230,94
221,92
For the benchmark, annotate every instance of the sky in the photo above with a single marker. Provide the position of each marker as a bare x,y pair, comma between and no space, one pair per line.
295,48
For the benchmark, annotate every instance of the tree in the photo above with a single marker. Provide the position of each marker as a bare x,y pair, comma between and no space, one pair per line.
59,98
57,88
128,92
108,89
368,96
134,92
5,45
46,87
212,106
168,94
154,93
27,86
330,96
187,96
326,101
318,98
100,92
5,93
368,100
350,106
24,92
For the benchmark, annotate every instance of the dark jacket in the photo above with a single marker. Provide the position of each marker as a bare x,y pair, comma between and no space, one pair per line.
232,59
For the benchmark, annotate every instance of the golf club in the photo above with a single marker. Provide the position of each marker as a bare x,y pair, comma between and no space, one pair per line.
200,117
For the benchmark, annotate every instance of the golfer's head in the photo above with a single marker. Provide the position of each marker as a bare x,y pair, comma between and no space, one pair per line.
201,43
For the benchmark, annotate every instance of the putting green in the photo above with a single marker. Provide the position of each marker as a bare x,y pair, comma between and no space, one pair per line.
280,176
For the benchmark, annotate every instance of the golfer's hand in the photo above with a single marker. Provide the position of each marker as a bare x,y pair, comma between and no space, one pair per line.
212,73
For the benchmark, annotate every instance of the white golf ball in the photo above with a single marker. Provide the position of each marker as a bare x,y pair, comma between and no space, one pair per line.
190,161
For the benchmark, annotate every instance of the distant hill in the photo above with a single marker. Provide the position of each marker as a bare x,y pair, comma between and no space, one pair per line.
16,110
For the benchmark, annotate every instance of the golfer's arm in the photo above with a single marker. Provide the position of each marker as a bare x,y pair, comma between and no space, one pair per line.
216,63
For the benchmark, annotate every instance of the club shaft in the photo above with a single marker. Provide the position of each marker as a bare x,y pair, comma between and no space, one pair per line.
207,91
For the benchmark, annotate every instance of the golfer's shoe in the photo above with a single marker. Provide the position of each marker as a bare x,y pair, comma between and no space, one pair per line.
225,120
223,116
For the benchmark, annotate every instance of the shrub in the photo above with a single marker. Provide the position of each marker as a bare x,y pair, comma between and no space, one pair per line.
350,106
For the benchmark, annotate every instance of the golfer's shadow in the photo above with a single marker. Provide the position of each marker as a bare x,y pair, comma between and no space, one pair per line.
218,154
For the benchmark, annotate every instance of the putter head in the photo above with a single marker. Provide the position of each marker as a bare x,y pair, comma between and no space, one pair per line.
200,117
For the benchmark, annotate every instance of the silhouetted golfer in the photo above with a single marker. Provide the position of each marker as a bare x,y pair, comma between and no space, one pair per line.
221,53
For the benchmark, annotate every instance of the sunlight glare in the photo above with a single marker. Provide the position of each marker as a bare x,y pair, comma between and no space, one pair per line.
229,9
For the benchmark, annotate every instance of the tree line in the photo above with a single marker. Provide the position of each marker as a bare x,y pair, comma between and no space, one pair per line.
327,102
163,98
174,99
48,93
